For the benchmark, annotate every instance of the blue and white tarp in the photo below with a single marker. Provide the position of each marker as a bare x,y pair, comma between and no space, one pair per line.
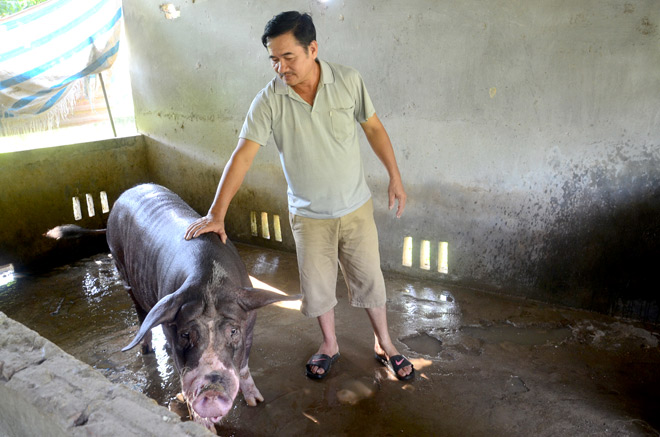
45,51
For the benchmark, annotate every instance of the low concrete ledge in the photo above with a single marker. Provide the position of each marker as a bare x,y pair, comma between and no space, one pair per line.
45,391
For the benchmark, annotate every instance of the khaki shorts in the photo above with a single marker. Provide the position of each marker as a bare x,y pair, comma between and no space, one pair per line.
353,241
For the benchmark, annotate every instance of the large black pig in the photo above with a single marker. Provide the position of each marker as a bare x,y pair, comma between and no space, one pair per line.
198,290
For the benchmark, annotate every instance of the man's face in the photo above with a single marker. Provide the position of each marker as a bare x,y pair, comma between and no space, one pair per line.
290,60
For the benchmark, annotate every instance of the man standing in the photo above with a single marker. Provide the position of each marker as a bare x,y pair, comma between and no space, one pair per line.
310,108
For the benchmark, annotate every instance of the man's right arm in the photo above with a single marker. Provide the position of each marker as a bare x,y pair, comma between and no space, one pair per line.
230,182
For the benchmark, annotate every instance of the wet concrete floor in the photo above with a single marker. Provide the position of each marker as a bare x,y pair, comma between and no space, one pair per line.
486,365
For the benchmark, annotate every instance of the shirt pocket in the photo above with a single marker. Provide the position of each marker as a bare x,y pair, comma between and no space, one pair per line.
343,123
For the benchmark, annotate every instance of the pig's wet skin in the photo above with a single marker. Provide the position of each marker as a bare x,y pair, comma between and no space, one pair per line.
197,290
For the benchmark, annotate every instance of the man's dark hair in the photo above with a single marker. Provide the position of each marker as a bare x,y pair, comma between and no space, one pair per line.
292,21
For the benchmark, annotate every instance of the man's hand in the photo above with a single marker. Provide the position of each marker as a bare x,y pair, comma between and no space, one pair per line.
382,147
204,225
231,180
396,193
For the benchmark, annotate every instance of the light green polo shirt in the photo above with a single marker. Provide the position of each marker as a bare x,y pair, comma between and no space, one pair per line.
318,145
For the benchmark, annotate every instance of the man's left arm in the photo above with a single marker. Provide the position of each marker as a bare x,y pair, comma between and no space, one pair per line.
382,147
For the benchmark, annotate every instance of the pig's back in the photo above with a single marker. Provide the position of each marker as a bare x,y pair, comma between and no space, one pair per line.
146,229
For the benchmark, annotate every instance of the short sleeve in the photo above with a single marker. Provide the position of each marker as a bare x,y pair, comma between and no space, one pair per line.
364,108
257,126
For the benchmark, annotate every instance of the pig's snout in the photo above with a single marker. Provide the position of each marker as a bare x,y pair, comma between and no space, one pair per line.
209,390
212,401
214,378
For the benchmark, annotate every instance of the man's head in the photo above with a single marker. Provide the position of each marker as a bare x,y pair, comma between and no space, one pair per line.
300,25
290,38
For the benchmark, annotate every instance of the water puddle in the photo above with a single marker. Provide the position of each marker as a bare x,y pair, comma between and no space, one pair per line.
517,335
424,344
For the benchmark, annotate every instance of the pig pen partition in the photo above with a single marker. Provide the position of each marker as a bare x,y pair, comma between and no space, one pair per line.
44,188
46,391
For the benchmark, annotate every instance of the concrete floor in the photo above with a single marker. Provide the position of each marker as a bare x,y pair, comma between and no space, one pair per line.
486,365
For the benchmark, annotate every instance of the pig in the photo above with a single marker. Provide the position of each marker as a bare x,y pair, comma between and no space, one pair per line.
198,290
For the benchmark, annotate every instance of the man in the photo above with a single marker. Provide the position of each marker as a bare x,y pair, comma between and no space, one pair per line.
310,108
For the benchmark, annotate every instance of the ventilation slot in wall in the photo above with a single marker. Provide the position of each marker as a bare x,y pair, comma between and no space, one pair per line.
77,212
105,206
265,230
264,222
426,255
91,210
443,257
407,251
254,230
90,205
277,229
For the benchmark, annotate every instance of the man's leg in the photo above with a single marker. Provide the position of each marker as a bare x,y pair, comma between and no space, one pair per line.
383,344
360,262
316,249
329,347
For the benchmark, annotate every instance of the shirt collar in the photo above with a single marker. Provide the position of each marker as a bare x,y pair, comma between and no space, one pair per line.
327,77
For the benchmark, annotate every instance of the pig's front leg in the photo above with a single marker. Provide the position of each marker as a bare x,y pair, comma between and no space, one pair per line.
249,390
147,348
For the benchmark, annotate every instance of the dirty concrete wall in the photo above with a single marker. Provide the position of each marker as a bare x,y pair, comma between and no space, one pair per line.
37,191
527,132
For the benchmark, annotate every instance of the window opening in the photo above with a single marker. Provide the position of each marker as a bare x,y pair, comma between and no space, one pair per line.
66,105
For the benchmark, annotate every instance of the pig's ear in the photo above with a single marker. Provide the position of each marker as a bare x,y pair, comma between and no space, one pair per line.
253,298
164,311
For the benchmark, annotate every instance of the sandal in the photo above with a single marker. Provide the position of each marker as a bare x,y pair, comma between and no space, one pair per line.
320,360
396,363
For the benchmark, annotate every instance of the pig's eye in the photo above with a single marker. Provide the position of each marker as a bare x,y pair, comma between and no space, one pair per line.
234,335
187,340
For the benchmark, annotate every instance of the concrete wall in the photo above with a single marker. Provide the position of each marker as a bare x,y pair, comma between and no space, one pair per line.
47,392
527,132
37,191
